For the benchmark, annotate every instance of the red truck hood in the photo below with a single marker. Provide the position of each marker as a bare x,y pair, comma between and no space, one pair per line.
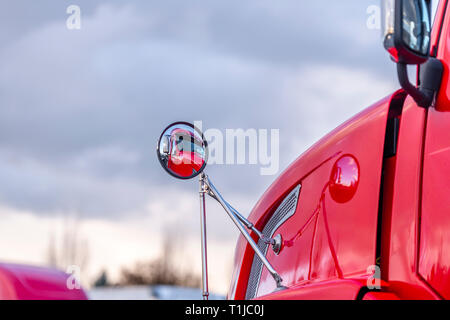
35,283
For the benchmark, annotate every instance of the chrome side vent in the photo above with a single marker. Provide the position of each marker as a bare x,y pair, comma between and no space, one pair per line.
285,210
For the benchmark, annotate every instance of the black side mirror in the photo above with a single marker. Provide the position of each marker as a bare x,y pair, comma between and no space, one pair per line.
407,30
406,36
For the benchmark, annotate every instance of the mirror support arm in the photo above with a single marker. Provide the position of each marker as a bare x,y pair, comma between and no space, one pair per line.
430,81
236,218
418,96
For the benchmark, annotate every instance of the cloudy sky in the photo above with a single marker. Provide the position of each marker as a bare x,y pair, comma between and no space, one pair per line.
81,111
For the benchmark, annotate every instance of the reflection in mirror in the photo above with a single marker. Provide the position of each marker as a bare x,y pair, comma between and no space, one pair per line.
182,150
165,142
388,17
416,25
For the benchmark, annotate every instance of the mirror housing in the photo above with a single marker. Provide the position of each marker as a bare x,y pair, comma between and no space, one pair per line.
182,150
407,30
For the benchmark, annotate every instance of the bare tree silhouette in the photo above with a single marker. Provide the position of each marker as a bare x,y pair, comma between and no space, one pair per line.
164,270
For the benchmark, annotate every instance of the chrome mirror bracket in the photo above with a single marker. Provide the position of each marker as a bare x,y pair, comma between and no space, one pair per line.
277,243
202,191
206,186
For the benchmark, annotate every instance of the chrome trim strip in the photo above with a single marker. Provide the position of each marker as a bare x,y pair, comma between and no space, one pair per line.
284,211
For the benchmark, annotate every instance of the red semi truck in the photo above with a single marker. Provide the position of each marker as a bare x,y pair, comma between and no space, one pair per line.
365,212
375,192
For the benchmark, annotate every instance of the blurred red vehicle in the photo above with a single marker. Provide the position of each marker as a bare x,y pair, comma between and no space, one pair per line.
365,212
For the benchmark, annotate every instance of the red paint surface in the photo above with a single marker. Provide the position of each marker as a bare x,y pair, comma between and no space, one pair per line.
331,240
401,208
380,296
333,290
443,54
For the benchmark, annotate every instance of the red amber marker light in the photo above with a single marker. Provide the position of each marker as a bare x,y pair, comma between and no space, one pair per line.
344,179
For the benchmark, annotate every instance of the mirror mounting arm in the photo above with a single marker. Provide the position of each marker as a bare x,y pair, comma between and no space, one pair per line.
248,224
240,222
430,81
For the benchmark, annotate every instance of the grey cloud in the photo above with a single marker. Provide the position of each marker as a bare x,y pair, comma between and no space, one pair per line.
81,109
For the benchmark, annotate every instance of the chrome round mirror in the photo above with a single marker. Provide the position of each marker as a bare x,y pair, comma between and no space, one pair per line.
182,150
